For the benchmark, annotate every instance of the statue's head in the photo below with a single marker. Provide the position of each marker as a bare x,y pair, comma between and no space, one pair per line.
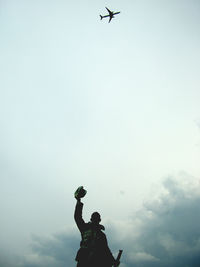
95,217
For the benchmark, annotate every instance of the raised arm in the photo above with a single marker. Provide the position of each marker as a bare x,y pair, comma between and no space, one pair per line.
78,215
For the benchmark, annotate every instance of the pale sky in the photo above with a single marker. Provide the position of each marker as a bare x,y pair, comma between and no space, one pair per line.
110,106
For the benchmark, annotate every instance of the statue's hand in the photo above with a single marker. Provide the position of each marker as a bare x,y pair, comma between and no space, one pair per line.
79,193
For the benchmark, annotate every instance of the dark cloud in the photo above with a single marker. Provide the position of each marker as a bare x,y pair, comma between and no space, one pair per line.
164,233
8,259
58,250
168,228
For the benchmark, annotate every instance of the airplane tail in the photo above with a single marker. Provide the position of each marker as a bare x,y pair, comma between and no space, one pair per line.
101,17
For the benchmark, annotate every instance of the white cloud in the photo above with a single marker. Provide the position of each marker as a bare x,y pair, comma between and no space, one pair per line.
141,257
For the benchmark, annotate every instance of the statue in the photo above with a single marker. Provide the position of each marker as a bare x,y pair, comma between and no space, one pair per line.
94,250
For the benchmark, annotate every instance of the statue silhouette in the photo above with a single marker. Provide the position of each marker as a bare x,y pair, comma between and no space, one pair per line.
94,250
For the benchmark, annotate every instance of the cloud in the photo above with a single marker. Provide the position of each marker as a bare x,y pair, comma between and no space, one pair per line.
141,257
168,227
8,259
198,122
165,232
56,250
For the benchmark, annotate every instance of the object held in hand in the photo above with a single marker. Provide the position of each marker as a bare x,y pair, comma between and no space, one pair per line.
80,192
117,261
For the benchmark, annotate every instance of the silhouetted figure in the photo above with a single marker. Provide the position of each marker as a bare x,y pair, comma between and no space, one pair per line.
94,250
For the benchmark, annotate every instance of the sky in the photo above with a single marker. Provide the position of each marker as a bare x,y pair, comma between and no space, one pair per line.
113,107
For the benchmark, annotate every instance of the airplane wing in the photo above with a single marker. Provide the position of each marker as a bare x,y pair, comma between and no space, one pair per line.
110,12
110,19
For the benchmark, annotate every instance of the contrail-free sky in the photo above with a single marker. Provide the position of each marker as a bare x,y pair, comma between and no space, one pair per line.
110,106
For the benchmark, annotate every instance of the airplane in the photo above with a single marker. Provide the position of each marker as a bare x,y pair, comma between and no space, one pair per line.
111,15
